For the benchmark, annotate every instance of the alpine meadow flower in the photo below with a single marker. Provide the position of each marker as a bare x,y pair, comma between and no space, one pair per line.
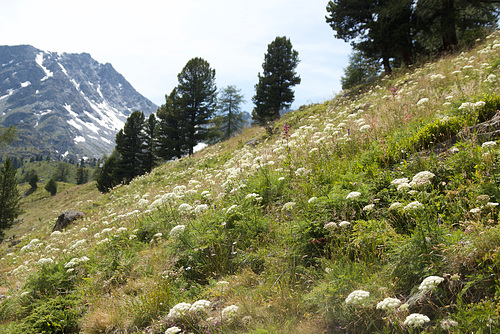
446,324
489,144
430,283
199,306
422,101
177,231
173,330
344,223
388,304
288,206
413,206
397,182
185,208
369,207
229,312
312,200
179,311
353,194
357,297
416,320
330,226
395,206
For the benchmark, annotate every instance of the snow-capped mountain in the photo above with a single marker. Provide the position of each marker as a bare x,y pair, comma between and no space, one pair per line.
61,103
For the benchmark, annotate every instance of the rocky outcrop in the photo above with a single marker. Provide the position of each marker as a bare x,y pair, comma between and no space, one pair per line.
66,218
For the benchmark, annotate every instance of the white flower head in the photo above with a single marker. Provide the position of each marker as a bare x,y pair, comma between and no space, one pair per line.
312,200
330,226
413,206
199,306
388,304
446,324
489,144
357,297
288,206
353,194
422,101
179,311
344,223
430,283
416,320
229,312
369,207
173,330
177,231
397,182
395,206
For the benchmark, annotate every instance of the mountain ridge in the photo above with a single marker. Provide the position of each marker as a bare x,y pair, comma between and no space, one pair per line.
41,93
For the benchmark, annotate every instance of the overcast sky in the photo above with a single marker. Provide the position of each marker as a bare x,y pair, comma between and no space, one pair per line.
150,41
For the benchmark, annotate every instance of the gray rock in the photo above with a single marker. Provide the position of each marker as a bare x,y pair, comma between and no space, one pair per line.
66,218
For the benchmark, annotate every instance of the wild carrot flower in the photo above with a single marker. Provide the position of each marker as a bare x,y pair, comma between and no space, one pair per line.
330,226
199,306
311,200
229,312
288,206
430,283
397,182
353,194
446,324
185,208
344,223
369,207
200,208
173,330
179,311
395,205
357,297
416,320
177,231
388,304
489,144
422,101
364,128
413,206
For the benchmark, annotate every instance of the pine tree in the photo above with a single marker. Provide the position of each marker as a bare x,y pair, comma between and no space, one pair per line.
197,92
273,92
51,187
170,134
9,197
228,105
82,175
150,143
130,146
105,178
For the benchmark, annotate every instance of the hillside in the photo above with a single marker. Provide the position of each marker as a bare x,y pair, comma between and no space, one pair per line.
63,104
375,212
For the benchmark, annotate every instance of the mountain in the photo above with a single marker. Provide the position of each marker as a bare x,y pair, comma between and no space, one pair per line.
63,103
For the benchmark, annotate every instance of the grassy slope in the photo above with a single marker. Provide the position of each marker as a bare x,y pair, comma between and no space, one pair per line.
255,216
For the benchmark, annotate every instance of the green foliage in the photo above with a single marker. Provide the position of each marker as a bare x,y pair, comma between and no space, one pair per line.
33,180
64,172
359,71
51,187
273,92
82,175
9,197
230,118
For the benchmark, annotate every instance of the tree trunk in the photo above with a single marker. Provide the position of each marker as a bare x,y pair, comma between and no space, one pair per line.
448,28
387,65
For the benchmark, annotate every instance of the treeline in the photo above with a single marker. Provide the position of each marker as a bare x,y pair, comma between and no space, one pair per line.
387,34
194,112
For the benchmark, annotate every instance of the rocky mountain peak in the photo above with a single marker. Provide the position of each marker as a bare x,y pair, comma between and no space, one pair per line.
64,103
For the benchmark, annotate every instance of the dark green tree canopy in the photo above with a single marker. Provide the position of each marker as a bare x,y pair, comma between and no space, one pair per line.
51,187
229,108
197,92
170,134
273,92
9,197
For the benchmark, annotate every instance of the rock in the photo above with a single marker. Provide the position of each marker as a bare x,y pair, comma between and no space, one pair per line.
66,218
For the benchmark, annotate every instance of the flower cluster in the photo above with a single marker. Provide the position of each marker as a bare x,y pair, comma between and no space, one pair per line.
179,311
416,320
173,330
177,231
430,283
229,312
388,304
353,194
357,297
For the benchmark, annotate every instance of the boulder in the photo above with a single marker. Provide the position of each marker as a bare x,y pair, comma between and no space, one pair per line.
66,218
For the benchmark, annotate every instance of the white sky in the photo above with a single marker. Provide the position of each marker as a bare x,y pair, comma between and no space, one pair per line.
150,41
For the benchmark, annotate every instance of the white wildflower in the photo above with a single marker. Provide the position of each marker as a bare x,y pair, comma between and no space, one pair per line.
252,196
312,200
199,306
44,261
397,182
200,208
475,210
395,206
344,223
330,226
430,283
388,304
423,175
301,171
173,330
365,128
357,297
422,101
489,144
492,78
179,311
369,207
185,208
353,194
231,208
229,312
176,231
416,320
446,324
288,206
413,206
491,204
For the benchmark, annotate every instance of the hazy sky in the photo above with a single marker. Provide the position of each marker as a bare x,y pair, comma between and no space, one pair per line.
150,41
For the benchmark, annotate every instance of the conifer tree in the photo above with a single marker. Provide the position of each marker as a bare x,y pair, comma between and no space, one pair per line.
130,146
9,197
150,143
197,92
273,92
170,134
51,187
228,105
105,178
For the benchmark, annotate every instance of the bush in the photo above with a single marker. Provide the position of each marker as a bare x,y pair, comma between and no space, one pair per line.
51,187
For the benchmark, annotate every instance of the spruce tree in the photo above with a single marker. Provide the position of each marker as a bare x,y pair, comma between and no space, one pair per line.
9,197
150,143
51,187
273,92
105,178
197,91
